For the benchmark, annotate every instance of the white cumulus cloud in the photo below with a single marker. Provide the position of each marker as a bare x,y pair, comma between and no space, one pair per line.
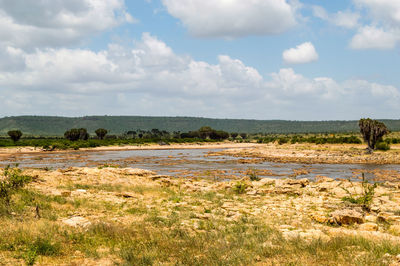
33,23
383,31
149,78
234,18
370,37
303,53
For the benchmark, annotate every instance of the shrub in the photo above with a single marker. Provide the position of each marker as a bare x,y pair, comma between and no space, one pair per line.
382,146
239,187
13,180
365,199
252,174
282,141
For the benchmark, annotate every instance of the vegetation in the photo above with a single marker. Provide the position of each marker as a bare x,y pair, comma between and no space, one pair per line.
366,197
15,135
293,139
11,182
76,134
155,228
56,126
101,133
252,174
240,187
372,132
156,136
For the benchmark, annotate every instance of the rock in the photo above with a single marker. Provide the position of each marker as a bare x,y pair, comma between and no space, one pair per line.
375,208
252,192
66,193
323,179
371,218
320,218
284,190
156,177
297,182
368,227
347,217
81,190
125,195
385,217
264,182
77,221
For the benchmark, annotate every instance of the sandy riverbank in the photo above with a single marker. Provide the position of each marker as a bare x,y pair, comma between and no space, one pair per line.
218,145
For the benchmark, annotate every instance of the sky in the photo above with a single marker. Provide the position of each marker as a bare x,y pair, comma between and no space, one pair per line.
253,59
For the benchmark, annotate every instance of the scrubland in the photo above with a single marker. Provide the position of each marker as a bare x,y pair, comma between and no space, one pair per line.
122,216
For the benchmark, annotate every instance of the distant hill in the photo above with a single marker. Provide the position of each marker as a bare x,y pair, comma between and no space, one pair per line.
56,126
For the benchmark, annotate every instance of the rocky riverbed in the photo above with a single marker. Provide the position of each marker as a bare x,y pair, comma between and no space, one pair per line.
312,153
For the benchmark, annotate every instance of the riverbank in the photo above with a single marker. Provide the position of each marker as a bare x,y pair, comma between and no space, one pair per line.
108,216
316,154
200,145
286,153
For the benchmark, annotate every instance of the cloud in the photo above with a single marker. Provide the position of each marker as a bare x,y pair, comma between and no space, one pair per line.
383,31
345,19
303,53
30,24
234,18
370,37
387,11
149,78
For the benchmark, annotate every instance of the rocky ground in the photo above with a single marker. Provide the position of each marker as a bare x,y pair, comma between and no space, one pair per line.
313,153
108,216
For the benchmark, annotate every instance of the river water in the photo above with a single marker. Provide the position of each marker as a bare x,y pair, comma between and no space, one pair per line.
196,162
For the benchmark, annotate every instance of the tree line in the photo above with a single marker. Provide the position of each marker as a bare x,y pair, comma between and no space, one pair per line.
206,132
372,132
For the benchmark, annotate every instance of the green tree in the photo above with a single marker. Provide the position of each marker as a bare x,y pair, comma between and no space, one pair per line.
75,134
101,133
205,132
234,135
372,132
243,135
15,135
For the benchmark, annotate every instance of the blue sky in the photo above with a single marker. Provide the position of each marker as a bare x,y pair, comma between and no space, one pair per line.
258,59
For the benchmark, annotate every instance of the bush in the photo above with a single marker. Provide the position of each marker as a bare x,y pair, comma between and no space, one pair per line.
382,146
282,141
252,174
239,187
365,199
13,180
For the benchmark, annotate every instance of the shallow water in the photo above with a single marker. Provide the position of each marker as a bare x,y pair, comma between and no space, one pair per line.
195,162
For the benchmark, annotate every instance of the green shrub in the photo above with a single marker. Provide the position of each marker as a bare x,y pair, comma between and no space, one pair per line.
282,141
13,180
252,174
382,146
239,187
365,199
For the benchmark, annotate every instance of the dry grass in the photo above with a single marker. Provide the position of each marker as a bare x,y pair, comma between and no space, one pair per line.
157,224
